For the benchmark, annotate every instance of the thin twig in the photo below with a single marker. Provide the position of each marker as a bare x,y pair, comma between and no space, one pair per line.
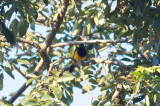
23,74
95,60
100,58
51,65
101,49
131,99
92,42
3,39
84,80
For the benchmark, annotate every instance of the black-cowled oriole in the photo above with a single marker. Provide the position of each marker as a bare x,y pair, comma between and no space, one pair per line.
79,54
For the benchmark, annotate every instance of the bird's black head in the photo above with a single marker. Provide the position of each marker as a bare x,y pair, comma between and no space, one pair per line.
81,50
81,45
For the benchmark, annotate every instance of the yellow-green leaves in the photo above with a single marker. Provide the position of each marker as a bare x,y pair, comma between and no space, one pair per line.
57,91
90,87
87,28
66,77
99,19
76,27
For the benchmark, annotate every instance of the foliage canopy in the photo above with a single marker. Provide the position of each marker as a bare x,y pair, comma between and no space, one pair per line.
125,32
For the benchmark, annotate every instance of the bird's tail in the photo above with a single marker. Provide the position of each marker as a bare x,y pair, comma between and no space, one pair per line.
71,69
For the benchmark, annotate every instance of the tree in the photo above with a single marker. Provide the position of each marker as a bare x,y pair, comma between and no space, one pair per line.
124,76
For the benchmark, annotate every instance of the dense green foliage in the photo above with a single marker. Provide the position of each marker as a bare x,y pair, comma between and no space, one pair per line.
134,24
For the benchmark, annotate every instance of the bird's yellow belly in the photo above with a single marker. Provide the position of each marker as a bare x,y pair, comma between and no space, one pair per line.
77,57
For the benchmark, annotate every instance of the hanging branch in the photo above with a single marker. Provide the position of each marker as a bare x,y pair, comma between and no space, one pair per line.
85,82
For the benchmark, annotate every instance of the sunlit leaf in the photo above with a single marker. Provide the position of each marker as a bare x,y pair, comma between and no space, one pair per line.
66,77
46,98
57,91
136,87
90,87
147,100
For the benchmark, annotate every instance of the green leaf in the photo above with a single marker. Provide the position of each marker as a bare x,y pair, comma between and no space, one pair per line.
10,12
107,86
76,28
66,77
1,56
96,20
135,37
148,45
48,102
14,26
1,81
46,98
101,19
95,103
155,97
68,91
29,81
8,34
92,22
87,28
9,65
33,25
56,91
31,75
156,24
8,71
136,87
93,81
90,87
23,61
22,27
31,103
126,59
46,10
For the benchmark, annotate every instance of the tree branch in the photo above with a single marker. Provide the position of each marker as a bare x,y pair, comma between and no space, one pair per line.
24,87
131,99
95,60
90,42
3,39
52,34
56,26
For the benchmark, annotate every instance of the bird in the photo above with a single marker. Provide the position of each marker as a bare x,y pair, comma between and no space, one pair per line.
79,54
